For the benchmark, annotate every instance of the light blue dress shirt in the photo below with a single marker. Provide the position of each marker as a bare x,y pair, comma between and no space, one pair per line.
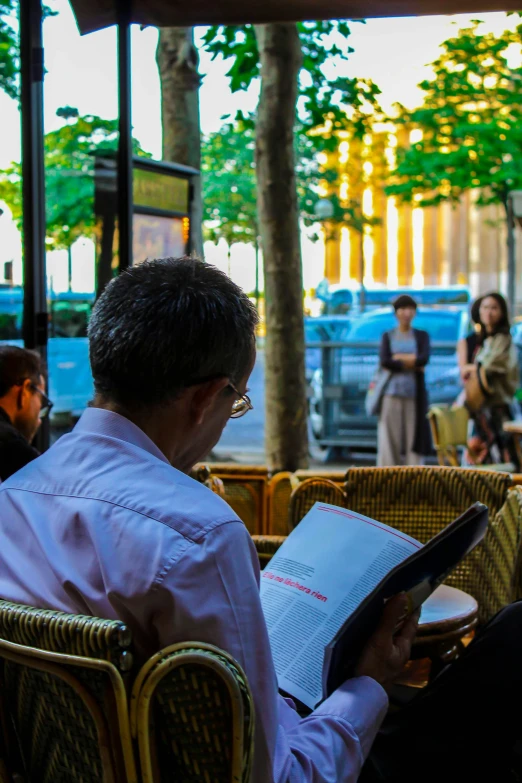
102,524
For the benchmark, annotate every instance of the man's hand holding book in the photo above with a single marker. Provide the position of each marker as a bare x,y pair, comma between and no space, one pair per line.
388,649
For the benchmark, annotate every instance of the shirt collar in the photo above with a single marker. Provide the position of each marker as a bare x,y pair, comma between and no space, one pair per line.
4,416
113,425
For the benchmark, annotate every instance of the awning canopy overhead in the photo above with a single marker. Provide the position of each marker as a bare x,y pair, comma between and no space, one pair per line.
95,14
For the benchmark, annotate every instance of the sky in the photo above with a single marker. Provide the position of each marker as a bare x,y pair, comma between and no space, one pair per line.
81,72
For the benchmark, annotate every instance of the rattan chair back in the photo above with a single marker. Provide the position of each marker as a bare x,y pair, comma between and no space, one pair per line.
246,491
245,488
449,429
280,489
203,474
421,501
193,715
311,491
63,686
266,547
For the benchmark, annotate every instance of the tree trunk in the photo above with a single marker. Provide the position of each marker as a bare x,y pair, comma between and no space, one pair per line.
69,268
256,291
177,59
286,403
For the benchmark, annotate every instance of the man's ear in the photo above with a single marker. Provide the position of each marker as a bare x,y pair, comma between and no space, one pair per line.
24,390
204,395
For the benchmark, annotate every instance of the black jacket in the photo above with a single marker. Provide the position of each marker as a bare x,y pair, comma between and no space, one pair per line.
15,451
422,444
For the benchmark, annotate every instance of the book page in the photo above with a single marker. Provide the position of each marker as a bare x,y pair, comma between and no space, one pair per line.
320,575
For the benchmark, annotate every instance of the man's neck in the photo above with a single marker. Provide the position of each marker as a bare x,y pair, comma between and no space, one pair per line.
157,427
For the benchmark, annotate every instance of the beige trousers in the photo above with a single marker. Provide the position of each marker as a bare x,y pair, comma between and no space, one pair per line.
396,432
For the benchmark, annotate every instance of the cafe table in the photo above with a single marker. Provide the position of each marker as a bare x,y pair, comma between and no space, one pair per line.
515,429
448,617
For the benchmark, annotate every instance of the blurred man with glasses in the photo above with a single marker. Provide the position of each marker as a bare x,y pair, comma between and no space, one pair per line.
23,404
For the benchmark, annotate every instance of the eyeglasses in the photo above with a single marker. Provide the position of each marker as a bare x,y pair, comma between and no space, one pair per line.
241,406
47,405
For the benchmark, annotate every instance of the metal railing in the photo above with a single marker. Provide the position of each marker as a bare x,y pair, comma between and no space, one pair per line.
338,398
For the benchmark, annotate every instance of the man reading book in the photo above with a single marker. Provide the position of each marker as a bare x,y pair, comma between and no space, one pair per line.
107,522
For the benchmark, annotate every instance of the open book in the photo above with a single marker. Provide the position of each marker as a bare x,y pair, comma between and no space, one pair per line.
324,590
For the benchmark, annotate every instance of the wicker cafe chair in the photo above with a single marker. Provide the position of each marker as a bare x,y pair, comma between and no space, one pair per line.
63,685
449,429
244,487
266,547
280,489
246,491
310,491
422,500
193,715
203,474
64,681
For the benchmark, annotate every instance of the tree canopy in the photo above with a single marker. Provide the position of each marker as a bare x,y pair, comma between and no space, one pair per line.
471,123
322,97
228,167
328,106
8,47
69,176
229,183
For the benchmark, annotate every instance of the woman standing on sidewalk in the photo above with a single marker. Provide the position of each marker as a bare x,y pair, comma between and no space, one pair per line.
403,424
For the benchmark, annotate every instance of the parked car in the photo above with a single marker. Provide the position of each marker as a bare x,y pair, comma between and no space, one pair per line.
70,379
340,300
339,386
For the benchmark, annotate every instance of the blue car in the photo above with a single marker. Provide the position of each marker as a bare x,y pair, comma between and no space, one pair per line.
70,380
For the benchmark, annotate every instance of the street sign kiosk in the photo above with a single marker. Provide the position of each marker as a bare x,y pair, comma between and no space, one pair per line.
162,196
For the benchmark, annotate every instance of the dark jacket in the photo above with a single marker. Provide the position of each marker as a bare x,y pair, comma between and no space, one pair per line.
15,451
422,444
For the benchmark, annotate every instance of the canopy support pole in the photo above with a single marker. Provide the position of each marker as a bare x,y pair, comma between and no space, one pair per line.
33,185
125,137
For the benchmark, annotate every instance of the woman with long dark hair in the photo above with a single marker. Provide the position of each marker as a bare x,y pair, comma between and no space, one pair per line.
489,371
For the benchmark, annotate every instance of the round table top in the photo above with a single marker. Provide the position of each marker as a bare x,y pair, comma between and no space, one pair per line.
445,610
513,426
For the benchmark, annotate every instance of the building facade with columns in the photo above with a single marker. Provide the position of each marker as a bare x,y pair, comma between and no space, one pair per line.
409,245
